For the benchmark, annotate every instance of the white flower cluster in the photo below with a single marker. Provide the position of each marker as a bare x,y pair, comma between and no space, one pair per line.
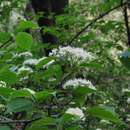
30,62
72,54
125,90
128,100
26,54
33,62
79,82
25,69
128,118
2,84
98,129
76,112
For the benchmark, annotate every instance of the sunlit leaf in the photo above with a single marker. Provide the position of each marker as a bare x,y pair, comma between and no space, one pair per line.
24,41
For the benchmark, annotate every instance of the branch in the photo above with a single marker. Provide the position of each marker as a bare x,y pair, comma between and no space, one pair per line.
94,21
126,19
18,121
6,43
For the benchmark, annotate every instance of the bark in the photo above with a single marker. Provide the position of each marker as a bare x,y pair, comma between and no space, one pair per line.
47,7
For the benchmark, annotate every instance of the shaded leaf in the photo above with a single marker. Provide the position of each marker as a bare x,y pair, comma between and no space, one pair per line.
104,112
43,124
8,76
19,105
4,127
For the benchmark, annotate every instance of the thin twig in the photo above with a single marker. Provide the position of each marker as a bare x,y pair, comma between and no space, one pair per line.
6,43
94,21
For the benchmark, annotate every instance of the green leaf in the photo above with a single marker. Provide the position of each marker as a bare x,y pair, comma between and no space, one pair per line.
6,92
67,118
4,127
24,41
4,37
51,30
23,25
80,91
21,93
54,71
80,94
87,37
19,105
43,124
43,62
104,112
73,128
8,76
93,64
41,96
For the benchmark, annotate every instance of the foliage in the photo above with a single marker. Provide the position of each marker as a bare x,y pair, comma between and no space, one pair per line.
82,86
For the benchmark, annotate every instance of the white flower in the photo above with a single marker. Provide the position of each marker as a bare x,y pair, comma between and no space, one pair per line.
72,54
125,90
79,82
105,122
76,112
128,100
128,118
5,3
23,54
24,78
26,54
98,129
2,84
52,79
25,69
30,62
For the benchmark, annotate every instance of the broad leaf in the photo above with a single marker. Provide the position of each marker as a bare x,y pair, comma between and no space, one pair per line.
6,92
4,37
43,95
21,93
104,112
23,25
4,127
43,62
19,105
92,65
8,76
24,41
43,124
80,91
54,71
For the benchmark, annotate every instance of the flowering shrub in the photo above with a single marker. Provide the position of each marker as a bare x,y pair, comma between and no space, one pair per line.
78,85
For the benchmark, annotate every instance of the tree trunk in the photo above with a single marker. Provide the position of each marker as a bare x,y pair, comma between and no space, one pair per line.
47,7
